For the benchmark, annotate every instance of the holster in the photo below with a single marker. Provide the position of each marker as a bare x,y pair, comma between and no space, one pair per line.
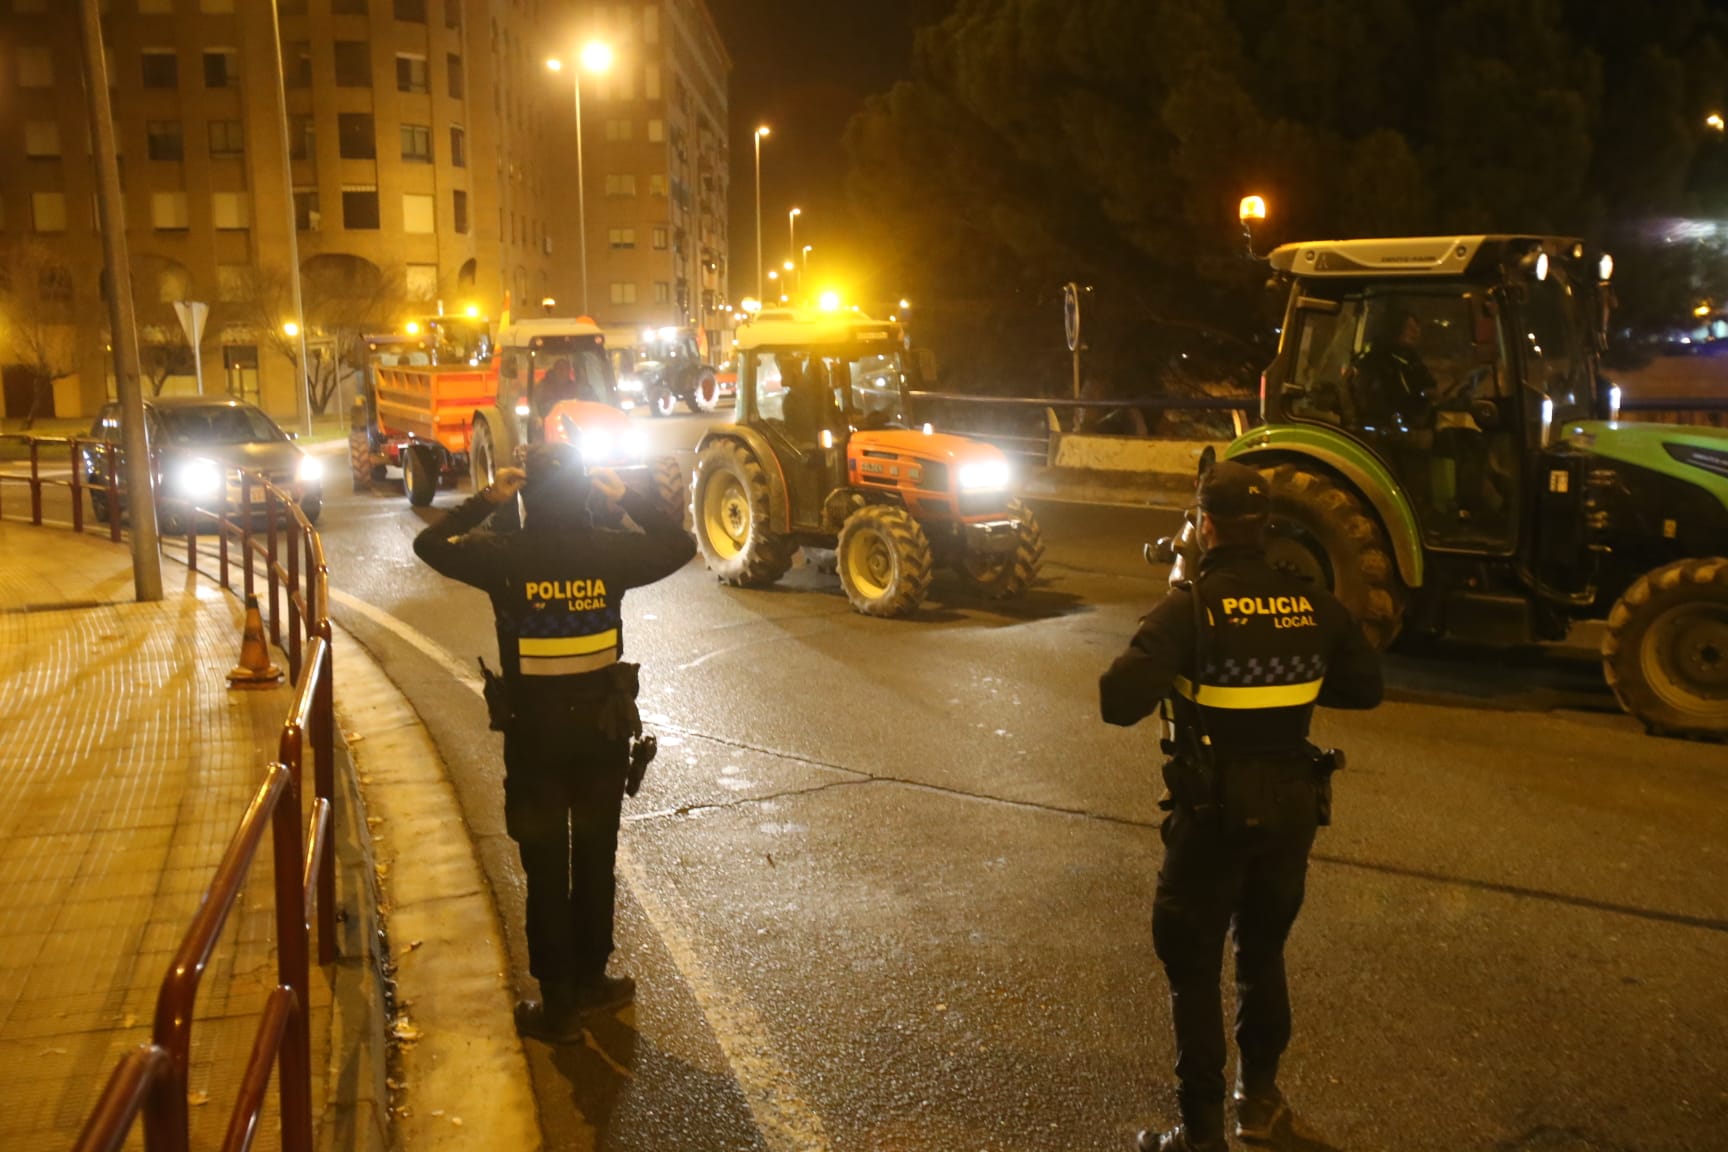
618,718
1325,763
1191,786
497,696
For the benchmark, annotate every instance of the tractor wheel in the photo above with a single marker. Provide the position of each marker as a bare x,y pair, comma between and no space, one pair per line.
1324,533
884,561
482,454
704,392
663,402
419,474
1007,575
360,459
670,490
729,510
1665,653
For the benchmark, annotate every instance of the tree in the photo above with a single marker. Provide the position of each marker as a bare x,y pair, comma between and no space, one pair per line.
37,334
343,299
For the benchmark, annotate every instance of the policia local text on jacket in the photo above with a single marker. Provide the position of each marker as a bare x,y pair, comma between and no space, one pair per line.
557,586
1244,652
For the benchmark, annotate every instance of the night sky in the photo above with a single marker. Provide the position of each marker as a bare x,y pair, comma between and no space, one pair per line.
803,67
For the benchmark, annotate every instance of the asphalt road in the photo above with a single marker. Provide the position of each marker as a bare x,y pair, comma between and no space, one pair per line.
889,884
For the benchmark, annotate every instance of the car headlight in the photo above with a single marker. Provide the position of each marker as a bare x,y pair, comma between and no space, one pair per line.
983,475
629,384
310,470
596,447
198,480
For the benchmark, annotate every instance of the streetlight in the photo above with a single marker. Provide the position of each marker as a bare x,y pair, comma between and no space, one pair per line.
1714,120
760,133
594,56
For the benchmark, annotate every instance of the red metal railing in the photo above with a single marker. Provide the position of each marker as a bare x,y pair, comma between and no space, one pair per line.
152,1081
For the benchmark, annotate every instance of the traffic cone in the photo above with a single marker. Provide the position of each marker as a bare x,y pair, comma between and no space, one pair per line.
254,669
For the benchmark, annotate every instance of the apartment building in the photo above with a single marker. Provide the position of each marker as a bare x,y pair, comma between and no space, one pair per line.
426,164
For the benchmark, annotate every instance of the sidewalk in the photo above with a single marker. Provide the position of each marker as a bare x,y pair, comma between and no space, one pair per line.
125,766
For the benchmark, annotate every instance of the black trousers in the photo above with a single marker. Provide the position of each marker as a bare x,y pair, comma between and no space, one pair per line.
1248,882
563,795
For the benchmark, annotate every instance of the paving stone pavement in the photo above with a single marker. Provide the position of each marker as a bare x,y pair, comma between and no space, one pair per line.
125,766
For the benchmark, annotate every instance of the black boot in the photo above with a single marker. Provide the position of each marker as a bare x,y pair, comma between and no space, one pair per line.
1263,1117
557,1019
1178,1139
604,993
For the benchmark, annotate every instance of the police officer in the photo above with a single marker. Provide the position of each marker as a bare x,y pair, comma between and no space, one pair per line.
557,586
1238,658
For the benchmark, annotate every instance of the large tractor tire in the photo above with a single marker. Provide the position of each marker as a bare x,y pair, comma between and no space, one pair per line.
1324,533
885,563
662,401
670,491
1665,652
484,454
360,459
704,392
420,474
730,513
1006,576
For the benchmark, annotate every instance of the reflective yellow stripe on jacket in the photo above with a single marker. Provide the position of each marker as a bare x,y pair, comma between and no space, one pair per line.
568,655
1269,696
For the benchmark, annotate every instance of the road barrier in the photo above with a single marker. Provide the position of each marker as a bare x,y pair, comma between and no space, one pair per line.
152,1080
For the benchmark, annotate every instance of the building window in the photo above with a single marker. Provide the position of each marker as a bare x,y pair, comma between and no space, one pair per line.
228,139
360,207
660,239
624,293
35,66
621,237
459,206
657,184
417,143
41,139
348,7
161,68
306,214
419,213
410,73
412,11
216,7
422,283
453,76
353,64
54,282
458,147
221,68
452,13
662,292
618,130
302,140
162,140
620,184
297,64
651,82
48,211
168,212
231,211
233,282
354,137
656,131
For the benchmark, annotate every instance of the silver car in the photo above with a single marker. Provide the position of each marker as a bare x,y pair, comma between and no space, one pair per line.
201,443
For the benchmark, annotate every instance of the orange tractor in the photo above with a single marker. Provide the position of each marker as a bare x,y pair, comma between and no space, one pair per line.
821,455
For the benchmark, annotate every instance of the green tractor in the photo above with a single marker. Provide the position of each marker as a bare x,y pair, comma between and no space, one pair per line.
1445,454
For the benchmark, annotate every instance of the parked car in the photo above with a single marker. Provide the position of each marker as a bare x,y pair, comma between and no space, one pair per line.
201,443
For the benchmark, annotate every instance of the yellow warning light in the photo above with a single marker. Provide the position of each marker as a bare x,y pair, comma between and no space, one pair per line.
1252,208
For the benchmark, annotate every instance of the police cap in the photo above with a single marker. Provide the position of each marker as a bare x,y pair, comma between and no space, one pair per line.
1233,491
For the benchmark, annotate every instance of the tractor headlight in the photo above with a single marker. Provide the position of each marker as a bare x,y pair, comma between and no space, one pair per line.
310,470
629,384
596,447
199,480
983,475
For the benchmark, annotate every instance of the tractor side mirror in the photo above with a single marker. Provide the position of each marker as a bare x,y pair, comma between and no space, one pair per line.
1486,414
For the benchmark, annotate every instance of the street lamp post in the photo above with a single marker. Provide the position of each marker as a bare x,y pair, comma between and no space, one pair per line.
792,240
803,268
760,133
594,57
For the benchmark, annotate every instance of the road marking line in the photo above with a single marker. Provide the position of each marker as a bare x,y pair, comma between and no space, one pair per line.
785,1121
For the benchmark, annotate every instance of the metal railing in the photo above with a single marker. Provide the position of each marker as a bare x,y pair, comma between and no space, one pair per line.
153,1080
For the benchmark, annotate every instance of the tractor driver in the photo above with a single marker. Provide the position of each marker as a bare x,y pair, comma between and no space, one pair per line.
1393,388
557,386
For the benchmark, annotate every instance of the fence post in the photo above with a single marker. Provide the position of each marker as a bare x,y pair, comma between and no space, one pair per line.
270,566
77,488
246,528
111,468
296,624
324,782
294,1073
35,482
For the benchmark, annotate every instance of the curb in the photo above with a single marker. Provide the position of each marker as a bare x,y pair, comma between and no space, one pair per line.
457,1061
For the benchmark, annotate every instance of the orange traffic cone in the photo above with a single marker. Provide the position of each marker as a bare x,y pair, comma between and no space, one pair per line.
255,669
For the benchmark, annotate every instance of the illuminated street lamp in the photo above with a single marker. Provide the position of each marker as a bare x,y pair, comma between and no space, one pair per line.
792,233
1714,121
596,57
760,133
290,329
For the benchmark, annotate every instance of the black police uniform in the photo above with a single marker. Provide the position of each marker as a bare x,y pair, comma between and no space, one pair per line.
557,586
1243,653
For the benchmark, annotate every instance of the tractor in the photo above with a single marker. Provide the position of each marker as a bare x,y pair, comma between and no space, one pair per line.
821,456
661,368
1445,454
